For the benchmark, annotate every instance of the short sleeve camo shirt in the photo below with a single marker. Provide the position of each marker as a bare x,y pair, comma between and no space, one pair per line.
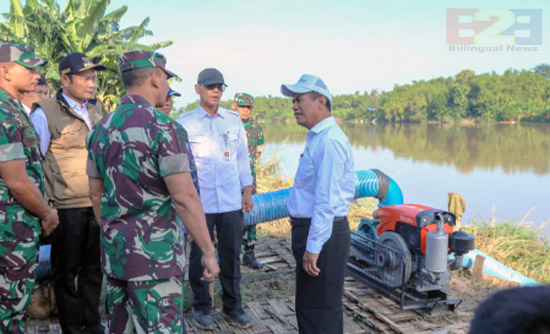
18,140
132,149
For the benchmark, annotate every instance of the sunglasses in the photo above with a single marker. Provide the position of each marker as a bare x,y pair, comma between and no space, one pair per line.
219,86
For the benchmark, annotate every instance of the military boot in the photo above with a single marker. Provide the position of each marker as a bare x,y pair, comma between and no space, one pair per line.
249,259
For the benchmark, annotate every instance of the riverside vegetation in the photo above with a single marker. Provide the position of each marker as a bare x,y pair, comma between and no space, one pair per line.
512,96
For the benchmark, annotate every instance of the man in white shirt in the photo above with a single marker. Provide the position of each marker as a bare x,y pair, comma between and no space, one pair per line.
218,142
39,93
63,123
324,187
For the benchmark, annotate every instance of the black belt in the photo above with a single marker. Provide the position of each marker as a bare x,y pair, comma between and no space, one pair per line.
307,220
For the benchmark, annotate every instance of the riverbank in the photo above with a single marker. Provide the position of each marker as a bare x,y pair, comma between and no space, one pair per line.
515,245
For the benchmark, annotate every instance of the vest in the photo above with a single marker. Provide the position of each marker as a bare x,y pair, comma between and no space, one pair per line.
65,161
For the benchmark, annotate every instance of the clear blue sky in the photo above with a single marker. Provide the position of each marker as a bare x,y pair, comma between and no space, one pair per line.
354,45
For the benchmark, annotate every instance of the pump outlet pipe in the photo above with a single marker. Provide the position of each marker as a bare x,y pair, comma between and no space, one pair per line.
368,183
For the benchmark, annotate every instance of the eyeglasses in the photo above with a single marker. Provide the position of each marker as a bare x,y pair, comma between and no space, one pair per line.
41,92
90,77
219,86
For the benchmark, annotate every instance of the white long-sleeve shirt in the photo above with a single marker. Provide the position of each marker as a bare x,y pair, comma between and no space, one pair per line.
219,146
324,185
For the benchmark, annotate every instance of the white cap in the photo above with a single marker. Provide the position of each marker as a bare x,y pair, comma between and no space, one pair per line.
307,83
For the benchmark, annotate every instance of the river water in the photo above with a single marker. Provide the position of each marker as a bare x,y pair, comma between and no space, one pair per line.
503,170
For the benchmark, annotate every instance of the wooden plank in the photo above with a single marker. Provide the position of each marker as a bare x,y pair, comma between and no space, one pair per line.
477,273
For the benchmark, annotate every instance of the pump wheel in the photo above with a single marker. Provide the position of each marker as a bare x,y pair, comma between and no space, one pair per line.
395,266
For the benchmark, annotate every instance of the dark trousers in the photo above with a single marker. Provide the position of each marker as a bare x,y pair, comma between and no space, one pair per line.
319,299
229,229
77,270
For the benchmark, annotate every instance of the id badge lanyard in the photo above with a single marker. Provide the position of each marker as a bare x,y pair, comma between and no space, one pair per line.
226,152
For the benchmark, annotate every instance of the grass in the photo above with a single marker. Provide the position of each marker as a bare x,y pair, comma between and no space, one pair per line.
517,246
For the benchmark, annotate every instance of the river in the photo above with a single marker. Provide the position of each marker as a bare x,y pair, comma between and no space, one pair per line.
503,170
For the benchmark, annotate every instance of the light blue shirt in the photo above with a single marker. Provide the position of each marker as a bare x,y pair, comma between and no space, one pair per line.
40,122
219,146
324,185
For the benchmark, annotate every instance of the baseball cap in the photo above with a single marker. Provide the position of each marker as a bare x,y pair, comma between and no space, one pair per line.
172,92
77,62
244,99
143,59
307,83
210,76
23,54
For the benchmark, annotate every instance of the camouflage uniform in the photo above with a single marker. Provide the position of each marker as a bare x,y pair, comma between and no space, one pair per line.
255,138
19,229
132,149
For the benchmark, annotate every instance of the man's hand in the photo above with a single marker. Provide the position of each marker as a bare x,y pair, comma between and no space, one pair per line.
211,268
50,222
247,202
310,264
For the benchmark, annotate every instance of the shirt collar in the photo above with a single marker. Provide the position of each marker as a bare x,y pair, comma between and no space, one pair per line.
75,105
134,99
27,109
322,125
203,113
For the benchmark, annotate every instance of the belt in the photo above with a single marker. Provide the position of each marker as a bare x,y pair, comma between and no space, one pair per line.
307,220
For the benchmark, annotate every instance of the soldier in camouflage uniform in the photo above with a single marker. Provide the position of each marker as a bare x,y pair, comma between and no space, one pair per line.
22,206
243,104
139,175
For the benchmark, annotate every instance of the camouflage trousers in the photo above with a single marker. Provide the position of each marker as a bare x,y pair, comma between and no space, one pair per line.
249,236
249,232
154,306
18,263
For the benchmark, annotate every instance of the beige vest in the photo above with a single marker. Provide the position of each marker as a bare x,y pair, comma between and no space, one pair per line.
65,161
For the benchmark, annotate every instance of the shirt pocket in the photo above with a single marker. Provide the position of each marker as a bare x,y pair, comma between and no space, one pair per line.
200,146
70,135
305,175
229,141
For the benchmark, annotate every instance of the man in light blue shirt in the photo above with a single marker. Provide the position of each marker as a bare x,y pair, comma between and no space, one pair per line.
324,187
218,142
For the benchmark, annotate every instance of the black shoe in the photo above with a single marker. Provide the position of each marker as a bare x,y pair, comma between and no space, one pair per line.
239,318
203,320
249,260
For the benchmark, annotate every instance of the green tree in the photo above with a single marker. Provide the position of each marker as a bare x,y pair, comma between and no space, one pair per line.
459,94
543,69
82,26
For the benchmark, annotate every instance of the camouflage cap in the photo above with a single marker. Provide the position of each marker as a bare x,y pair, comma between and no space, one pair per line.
244,99
23,54
143,59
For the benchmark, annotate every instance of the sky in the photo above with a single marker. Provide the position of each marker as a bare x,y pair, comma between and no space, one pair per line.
353,45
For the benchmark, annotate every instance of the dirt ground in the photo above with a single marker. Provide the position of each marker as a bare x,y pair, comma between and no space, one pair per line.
366,310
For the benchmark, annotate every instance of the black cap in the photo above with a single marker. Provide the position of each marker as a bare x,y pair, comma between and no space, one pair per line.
77,62
210,76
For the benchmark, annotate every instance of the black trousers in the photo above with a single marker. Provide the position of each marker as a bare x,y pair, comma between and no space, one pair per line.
319,299
77,273
229,230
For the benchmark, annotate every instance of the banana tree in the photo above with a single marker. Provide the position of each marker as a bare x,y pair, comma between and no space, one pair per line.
82,26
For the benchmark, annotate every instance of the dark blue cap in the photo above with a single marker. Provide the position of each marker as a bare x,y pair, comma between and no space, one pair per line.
210,76
77,62
172,92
